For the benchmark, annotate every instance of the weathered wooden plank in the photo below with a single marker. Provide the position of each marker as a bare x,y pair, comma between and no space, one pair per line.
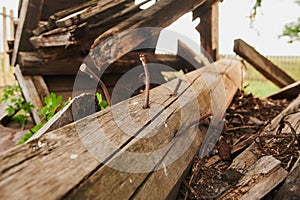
30,93
291,187
208,28
259,180
29,17
83,27
93,13
50,7
41,87
162,14
262,64
32,63
83,104
70,171
289,92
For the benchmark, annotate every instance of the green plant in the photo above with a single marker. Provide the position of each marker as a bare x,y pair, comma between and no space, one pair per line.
101,103
291,30
17,105
52,105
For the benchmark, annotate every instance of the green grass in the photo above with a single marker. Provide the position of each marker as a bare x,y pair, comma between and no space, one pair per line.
259,86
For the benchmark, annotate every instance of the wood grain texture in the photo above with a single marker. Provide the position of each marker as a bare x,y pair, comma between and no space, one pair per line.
58,166
30,15
30,93
262,64
258,181
162,14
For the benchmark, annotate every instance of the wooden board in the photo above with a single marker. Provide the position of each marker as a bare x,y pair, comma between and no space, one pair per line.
32,63
84,105
67,170
50,7
162,14
259,180
289,92
30,15
262,64
209,28
30,93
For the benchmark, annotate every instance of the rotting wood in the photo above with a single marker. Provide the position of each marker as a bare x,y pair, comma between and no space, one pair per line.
289,92
30,93
74,29
244,161
291,188
93,13
32,63
83,104
50,7
258,181
41,87
162,14
74,173
262,64
29,17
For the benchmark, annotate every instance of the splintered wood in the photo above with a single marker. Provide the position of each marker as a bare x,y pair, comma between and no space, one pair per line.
58,166
261,173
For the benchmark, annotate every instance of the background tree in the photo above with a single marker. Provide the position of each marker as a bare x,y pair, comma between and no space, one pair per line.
291,30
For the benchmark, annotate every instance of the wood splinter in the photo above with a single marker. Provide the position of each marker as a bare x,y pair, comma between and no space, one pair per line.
147,81
84,68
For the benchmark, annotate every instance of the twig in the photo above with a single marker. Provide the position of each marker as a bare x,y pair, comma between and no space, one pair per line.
241,127
279,130
84,68
147,81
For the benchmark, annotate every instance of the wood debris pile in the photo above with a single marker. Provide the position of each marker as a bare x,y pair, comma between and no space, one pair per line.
262,138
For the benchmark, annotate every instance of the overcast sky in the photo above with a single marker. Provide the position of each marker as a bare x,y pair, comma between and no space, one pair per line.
234,23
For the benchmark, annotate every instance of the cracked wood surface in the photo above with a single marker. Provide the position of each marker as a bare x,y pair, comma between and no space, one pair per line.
58,166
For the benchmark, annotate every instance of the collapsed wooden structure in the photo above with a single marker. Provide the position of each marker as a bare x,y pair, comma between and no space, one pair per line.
80,175
53,39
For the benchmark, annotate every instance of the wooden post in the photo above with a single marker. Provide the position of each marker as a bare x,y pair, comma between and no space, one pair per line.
208,27
5,48
30,15
12,25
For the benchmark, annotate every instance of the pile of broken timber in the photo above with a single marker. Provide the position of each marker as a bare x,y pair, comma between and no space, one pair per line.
256,171
54,38
58,166
59,45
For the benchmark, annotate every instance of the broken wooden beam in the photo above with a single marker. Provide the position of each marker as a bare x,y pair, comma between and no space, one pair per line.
84,105
31,93
82,27
30,14
248,158
158,15
259,180
289,92
262,64
72,168
32,63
